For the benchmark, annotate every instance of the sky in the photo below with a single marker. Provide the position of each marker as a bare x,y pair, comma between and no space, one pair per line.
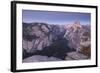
54,17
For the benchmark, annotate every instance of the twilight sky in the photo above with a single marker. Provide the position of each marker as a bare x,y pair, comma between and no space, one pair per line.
52,17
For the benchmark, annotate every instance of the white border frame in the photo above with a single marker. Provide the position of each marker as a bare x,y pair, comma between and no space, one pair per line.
38,65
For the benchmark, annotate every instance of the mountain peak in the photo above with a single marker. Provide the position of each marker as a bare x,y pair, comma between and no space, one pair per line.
77,24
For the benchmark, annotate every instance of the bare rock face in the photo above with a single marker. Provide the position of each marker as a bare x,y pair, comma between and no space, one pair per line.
45,42
39,58
37,38
76,56
68,58
78,35
73,32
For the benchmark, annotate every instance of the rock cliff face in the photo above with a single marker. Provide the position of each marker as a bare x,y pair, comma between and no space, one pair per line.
78,35
36,36
55,40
